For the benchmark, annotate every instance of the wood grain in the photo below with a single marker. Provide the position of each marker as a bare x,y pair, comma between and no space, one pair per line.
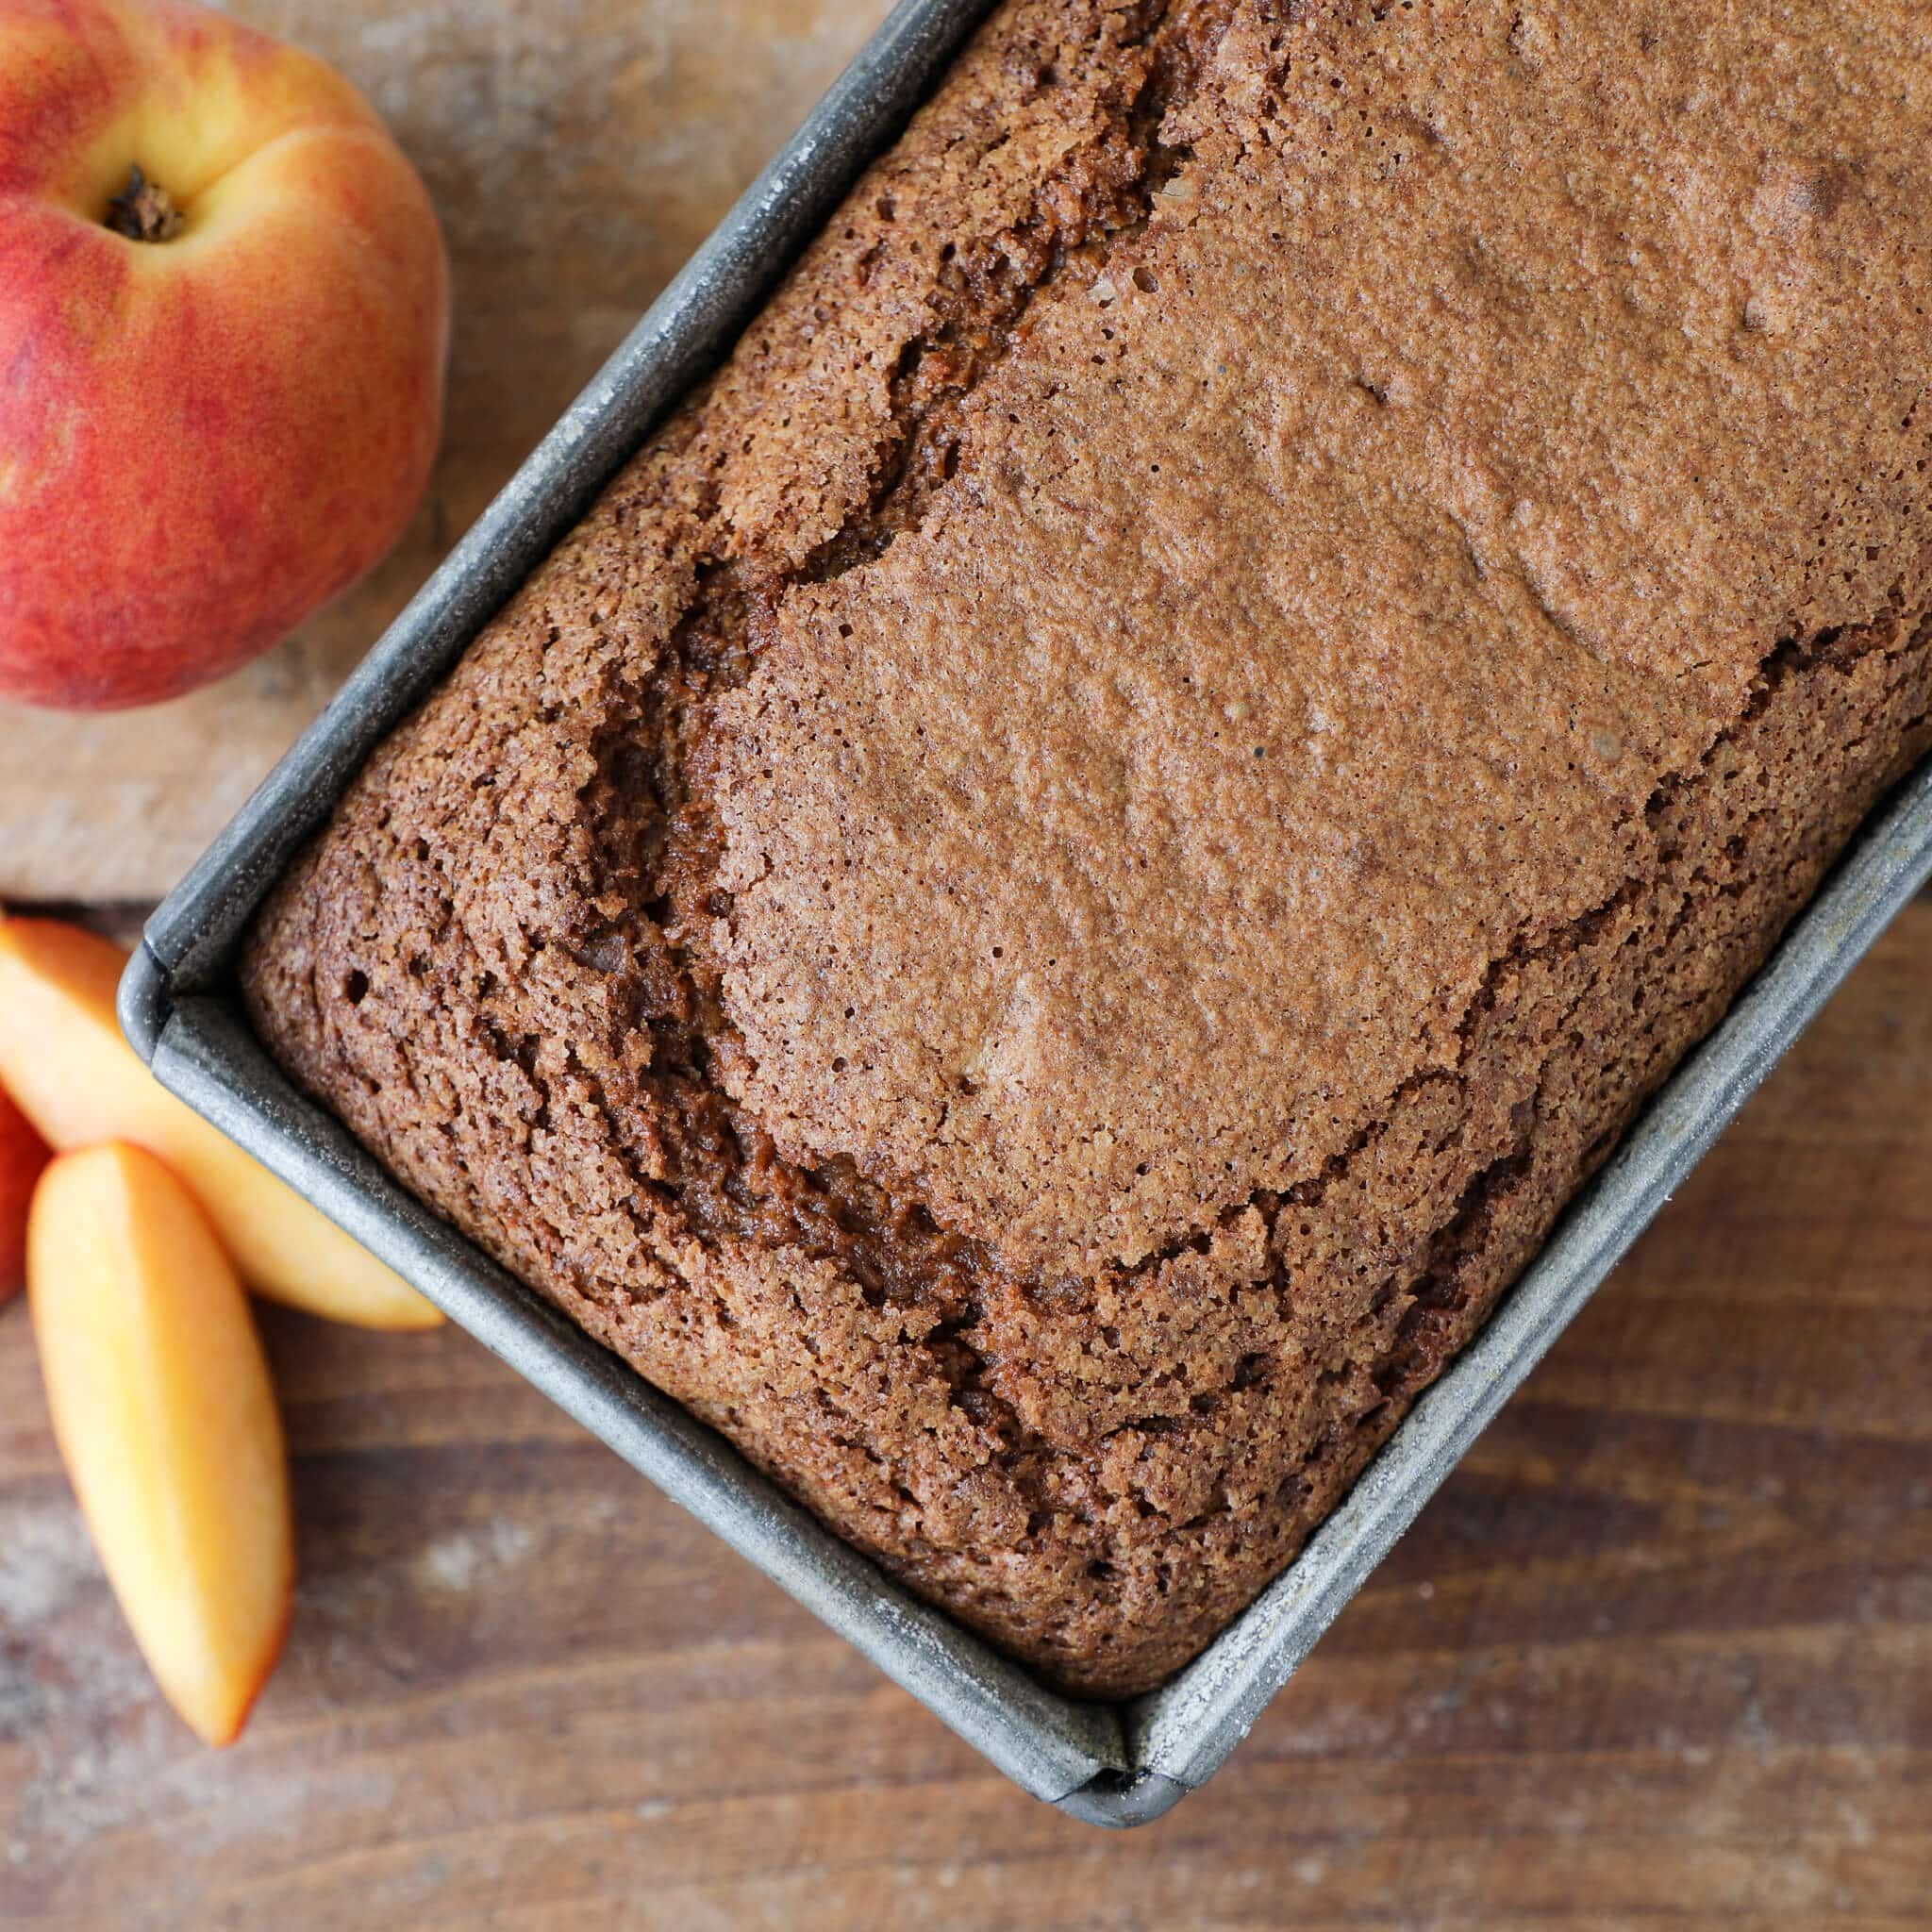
577,150
1660,1654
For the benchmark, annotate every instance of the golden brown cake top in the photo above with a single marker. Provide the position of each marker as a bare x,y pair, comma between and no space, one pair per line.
1323,590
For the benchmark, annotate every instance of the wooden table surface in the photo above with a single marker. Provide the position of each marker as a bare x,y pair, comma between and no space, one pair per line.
1660,1655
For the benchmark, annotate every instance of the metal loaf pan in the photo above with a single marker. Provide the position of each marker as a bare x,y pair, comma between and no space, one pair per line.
1115,1765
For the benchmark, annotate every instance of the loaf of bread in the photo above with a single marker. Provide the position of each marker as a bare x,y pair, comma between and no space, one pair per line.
1045,903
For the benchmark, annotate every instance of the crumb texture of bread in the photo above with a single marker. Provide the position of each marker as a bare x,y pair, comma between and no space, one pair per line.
1045,902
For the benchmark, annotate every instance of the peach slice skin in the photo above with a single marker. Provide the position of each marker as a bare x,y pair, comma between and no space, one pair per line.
63,1059
22,1155
167,1424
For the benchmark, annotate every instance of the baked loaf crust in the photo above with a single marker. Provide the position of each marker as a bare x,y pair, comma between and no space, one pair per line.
1045,903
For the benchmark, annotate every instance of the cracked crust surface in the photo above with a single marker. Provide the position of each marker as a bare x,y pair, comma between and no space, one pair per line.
1042,906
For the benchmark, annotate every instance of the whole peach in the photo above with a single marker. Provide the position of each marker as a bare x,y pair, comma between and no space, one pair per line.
224,307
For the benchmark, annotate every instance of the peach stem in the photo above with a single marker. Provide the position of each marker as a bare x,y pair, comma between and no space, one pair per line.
143,211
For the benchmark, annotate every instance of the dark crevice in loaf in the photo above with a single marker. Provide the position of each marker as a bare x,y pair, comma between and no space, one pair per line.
984,291
657,842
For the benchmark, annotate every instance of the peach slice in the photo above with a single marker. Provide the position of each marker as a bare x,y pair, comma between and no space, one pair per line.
22,1155
78,1080
167,1424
